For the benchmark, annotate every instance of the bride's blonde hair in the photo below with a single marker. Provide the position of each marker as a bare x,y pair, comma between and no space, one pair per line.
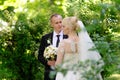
71,22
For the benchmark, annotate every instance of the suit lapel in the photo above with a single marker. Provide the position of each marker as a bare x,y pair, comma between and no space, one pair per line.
51,37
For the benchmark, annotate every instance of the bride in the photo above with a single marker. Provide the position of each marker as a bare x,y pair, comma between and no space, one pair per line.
74,51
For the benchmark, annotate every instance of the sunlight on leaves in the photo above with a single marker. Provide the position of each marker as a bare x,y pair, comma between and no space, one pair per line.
0,62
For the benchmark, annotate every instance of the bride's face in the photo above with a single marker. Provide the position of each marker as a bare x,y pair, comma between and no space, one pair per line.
65,30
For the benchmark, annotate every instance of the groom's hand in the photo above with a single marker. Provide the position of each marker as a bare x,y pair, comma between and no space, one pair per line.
51,63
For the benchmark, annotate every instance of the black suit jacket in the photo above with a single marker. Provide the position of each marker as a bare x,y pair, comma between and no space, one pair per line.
43,45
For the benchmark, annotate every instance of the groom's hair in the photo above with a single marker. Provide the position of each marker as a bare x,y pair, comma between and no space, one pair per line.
54,15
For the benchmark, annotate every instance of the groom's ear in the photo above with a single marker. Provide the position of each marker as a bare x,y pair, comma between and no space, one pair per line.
50,24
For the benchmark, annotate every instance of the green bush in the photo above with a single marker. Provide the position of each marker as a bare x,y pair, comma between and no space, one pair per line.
19,40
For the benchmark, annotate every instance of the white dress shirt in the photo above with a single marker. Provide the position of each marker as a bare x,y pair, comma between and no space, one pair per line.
54,40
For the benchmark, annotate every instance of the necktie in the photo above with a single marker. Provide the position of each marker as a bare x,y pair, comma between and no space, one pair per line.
58,40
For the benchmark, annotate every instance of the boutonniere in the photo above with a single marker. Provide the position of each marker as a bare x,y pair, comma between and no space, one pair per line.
49,41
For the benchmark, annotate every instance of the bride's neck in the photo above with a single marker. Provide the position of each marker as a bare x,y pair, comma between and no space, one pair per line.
73,35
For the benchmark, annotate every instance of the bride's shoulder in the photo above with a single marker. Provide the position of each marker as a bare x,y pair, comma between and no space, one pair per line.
65,41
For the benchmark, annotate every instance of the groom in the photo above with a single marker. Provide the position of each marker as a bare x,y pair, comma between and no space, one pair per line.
56,23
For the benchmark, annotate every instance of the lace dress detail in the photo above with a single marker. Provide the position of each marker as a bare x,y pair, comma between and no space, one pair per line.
71,58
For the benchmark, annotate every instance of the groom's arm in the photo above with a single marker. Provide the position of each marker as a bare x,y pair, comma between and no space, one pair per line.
41,51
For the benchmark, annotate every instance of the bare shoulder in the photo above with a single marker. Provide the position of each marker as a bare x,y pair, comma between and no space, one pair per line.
64,41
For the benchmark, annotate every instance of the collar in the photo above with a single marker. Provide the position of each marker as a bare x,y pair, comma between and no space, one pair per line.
54,33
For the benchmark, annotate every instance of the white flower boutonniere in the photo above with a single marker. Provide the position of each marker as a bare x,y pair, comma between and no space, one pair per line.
48,41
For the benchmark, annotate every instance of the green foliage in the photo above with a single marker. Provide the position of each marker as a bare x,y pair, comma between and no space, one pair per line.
88,69
18,51
2,1
27,21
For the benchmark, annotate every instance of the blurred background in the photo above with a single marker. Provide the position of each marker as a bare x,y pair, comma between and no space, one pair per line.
23,22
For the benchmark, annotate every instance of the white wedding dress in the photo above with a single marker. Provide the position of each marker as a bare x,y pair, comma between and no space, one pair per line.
73,57
69,62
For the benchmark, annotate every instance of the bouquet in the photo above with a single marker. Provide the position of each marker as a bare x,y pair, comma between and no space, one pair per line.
50,52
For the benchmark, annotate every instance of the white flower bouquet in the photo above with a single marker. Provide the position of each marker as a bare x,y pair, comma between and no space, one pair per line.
50,52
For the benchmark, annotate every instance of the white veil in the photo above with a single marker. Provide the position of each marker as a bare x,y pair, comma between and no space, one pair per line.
86,44
85,53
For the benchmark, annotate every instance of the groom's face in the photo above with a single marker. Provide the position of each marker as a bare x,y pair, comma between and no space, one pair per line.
56,23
